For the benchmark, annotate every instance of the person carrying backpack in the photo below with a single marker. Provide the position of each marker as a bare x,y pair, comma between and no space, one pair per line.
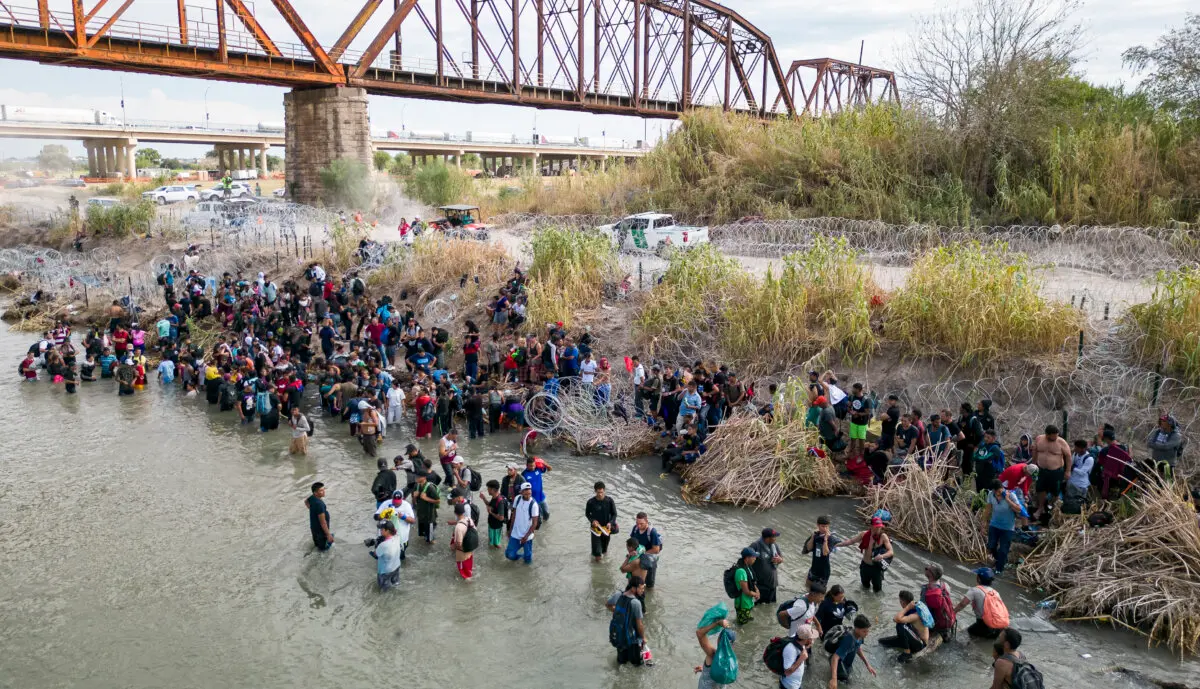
991,615
627,629
741,586
1011,669
935,594
464,542
497,513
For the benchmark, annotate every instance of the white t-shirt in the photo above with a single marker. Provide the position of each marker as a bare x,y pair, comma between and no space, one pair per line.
802,612
450,447
588,371
523,513
405,510
395,397
639,375
836,394
790,653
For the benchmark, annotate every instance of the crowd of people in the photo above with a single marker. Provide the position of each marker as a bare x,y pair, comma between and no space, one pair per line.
375,366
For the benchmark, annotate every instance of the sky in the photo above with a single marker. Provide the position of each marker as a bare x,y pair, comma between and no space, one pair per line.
798,30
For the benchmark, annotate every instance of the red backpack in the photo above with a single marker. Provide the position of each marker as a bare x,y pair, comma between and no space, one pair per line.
937,599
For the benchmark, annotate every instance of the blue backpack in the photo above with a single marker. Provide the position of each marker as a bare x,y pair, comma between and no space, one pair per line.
621,630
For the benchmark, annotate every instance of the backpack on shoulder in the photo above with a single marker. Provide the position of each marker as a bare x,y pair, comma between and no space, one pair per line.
833,638
783,608
470,540
476,481
620,629
937,599
1025,675
773,654
730,581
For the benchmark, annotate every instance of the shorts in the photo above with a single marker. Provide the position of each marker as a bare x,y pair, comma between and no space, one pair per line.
466,567
858,432
1050,481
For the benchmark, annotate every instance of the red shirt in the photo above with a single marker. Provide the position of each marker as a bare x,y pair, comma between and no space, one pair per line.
375,330
1015,478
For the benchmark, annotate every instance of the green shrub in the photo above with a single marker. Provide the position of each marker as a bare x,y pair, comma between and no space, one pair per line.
1167,327
438,184
347,183
120,220
570,267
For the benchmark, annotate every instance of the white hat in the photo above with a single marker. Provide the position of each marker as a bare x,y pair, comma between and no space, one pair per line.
526,486
457,460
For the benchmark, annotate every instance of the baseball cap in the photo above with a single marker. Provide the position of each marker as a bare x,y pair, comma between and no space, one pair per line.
397,493
876,521
805,631
511,465
410,447
457,460
769,533
749,552
985,572
526,486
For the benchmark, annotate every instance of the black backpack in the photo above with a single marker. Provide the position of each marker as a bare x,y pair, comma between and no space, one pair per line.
470,539
476,481
1025,675
784,607
773,654
730,580
833,637
501,508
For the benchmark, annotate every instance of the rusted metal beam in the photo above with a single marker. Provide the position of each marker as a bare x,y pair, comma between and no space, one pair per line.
728,98
637,53
352,31
397,45
108,24
438,38
596,46
580,85
98,6
80,27
44,14
183,27
475,39
516,47
376,46
247,18
685,92
222,46
541,42
306,37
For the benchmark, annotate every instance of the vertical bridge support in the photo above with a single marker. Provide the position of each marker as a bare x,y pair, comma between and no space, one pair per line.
321,126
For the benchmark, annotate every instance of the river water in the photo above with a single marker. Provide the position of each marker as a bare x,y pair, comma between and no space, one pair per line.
150,541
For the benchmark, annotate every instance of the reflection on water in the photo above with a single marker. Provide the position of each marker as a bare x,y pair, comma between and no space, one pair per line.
150,541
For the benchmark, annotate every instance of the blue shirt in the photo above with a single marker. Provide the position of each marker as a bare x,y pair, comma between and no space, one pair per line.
690,399
167,369
534,478
106,364
1003,516
388,555
571,365
646,539
847,649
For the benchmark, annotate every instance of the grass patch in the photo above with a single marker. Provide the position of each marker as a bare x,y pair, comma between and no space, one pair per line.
1168,325
570,267
438,184
437,264
120,220
977,305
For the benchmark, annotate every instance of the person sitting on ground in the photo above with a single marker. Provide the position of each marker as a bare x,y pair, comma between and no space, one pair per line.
912,628
991,615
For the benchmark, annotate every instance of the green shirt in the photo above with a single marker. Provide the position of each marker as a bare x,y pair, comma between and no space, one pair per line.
743,601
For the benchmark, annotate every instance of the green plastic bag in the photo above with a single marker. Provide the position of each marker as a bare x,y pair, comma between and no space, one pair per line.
716,613
725,663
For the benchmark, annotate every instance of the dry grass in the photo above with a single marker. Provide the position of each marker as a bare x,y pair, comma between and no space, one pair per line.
1143,571
751,462
569,270
1167,328
923,516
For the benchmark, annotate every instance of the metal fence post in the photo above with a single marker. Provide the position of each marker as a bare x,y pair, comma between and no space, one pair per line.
639,276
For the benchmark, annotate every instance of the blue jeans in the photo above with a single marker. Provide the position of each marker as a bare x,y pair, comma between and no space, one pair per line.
997,544
383,354
472,365
515,546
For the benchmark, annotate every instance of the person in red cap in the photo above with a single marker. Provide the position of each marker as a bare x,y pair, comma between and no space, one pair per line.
877,554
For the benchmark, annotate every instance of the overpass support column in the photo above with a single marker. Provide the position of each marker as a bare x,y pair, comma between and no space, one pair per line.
458,159
131,158
241,159
321,126
110,156
91,153
537,164
262,161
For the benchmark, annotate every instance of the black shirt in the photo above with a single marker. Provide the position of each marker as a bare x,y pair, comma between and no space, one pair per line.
602,511
316,507
473,405
860,410
830,614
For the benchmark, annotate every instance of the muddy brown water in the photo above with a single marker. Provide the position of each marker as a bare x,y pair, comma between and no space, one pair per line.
150,541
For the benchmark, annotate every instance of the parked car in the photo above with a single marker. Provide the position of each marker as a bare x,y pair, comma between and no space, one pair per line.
218,192
73,182
102,202
653,232
23,183
171,194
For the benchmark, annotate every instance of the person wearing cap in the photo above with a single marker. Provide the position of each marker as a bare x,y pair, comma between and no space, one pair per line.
766,565
827,424
385,482
816,389
628,621
460,473
796,655
991,615
802,610
876,548
710,651
1114,460
400,512
743,578
535,468
523,522
1018,477
1000,514
510,485
387,554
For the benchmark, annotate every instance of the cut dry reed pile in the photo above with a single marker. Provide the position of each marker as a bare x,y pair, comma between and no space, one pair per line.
751,462
1143,571
620,441
925,513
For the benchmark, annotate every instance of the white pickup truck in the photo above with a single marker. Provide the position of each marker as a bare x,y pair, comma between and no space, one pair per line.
653,232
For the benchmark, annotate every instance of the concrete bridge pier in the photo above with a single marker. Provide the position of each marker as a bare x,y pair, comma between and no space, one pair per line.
108,158
320,126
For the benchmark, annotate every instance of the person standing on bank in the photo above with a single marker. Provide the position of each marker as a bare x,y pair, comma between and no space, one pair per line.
648,537
601,513
765,567
318,517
